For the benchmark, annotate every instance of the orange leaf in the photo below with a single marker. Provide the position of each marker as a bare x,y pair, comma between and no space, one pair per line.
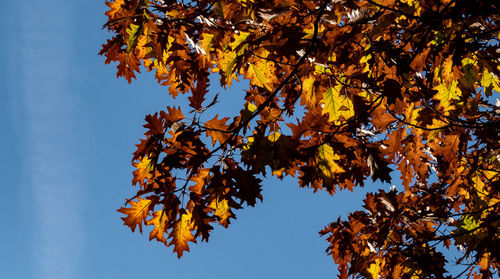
114,7
216,128
174,114
182,234
484,262
200,179
138,212
159,221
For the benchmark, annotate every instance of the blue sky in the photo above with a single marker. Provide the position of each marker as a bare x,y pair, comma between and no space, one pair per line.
69,130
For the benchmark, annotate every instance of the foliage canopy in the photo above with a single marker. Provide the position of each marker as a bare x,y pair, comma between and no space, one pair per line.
340,91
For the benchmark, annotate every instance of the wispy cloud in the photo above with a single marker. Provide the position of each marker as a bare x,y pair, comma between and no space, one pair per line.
51,143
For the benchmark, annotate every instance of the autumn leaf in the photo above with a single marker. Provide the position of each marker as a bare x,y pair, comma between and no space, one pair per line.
206,42
217,129
446,70
159,221
484,262
143,172
490,83
448,95
309,92
374,269
229,57
327,161
469,223
309,31
201,179
182,233
262,71
172,116
133,34
222,211
338,107
364,60
274,136
114,7
137,213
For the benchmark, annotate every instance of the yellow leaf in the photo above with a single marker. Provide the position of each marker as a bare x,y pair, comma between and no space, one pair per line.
411,114
261,72
490,83
142,42
261,80
374,269
321,69
251,107
436,124
133,34
338,107
159,62
326,161
250,140
364,60
227,64
448,95
309,32
182,233
409,2
222,210
206,42
228,56
143,172
468,60
469,223
479,185
238,40
274,136
245,2
414,274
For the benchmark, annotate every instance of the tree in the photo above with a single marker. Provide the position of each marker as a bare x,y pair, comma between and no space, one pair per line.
340,91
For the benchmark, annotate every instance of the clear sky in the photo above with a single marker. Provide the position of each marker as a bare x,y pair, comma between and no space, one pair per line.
69,128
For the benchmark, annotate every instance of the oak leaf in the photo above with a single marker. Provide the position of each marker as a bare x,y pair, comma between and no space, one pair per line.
201,179
114,7
182,233
144,171
337,105
262,71
137,213
217,129
448,95
222,210
160,223
327,161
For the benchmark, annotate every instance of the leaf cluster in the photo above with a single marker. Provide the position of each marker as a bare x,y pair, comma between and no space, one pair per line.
339,92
